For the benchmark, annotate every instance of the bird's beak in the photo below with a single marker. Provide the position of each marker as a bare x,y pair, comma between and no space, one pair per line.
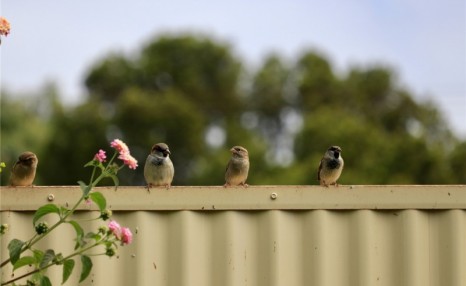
232,150
167,151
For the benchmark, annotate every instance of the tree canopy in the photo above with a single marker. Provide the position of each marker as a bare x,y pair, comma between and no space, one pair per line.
196,95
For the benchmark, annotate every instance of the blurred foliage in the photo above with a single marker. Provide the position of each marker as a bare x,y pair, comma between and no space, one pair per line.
23,121
194,93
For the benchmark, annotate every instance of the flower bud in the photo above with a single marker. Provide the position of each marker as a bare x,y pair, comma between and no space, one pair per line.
31,283
4,228
58,259
41,228
106,214
110,252
103,230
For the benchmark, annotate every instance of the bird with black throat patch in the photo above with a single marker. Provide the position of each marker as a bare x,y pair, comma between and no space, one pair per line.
238,167
159,170
330,167
24,170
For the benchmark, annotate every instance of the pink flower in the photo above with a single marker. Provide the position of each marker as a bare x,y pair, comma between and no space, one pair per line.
120,146
4,27
100,156
126,236
122,234
115,228
125,156
128,160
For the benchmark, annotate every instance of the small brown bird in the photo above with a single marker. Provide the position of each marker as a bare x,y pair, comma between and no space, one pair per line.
330,167
24,170
237,168
159,170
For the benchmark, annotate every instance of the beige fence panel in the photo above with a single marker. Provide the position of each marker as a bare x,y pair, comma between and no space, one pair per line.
264,235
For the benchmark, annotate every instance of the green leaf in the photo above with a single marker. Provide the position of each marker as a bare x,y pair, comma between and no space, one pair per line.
45,281
86,268
115,181
36,276
94,236
38,255
92,163
77,227
99,200
49,255
64,211
44,210
67,269
26,260
80,242
79,234
58,260
85,188
82,185
14,248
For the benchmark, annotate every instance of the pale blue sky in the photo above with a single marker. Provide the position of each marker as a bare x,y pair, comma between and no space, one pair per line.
424,41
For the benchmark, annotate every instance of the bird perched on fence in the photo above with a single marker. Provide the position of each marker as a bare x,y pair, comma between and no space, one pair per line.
237,168
159,170
24,170
330,167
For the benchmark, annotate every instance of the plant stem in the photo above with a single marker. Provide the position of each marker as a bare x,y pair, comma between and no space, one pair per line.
92,184
8,259
36,239
51,264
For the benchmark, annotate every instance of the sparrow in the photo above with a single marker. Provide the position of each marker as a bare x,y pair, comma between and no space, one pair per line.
159,170
24,170
237,168
330,167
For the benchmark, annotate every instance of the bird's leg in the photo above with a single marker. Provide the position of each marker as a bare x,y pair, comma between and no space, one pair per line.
148,187
322,183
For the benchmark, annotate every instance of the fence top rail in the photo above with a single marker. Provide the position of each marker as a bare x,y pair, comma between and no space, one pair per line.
285,197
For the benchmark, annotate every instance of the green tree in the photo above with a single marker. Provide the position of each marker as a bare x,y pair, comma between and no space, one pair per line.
76,135
146,117
174,91
270,89
205,72
269,97
23,121
109,78
193,93
317,85
388,136
457,161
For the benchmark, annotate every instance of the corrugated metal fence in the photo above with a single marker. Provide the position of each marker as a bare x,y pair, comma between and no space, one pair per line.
265,235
